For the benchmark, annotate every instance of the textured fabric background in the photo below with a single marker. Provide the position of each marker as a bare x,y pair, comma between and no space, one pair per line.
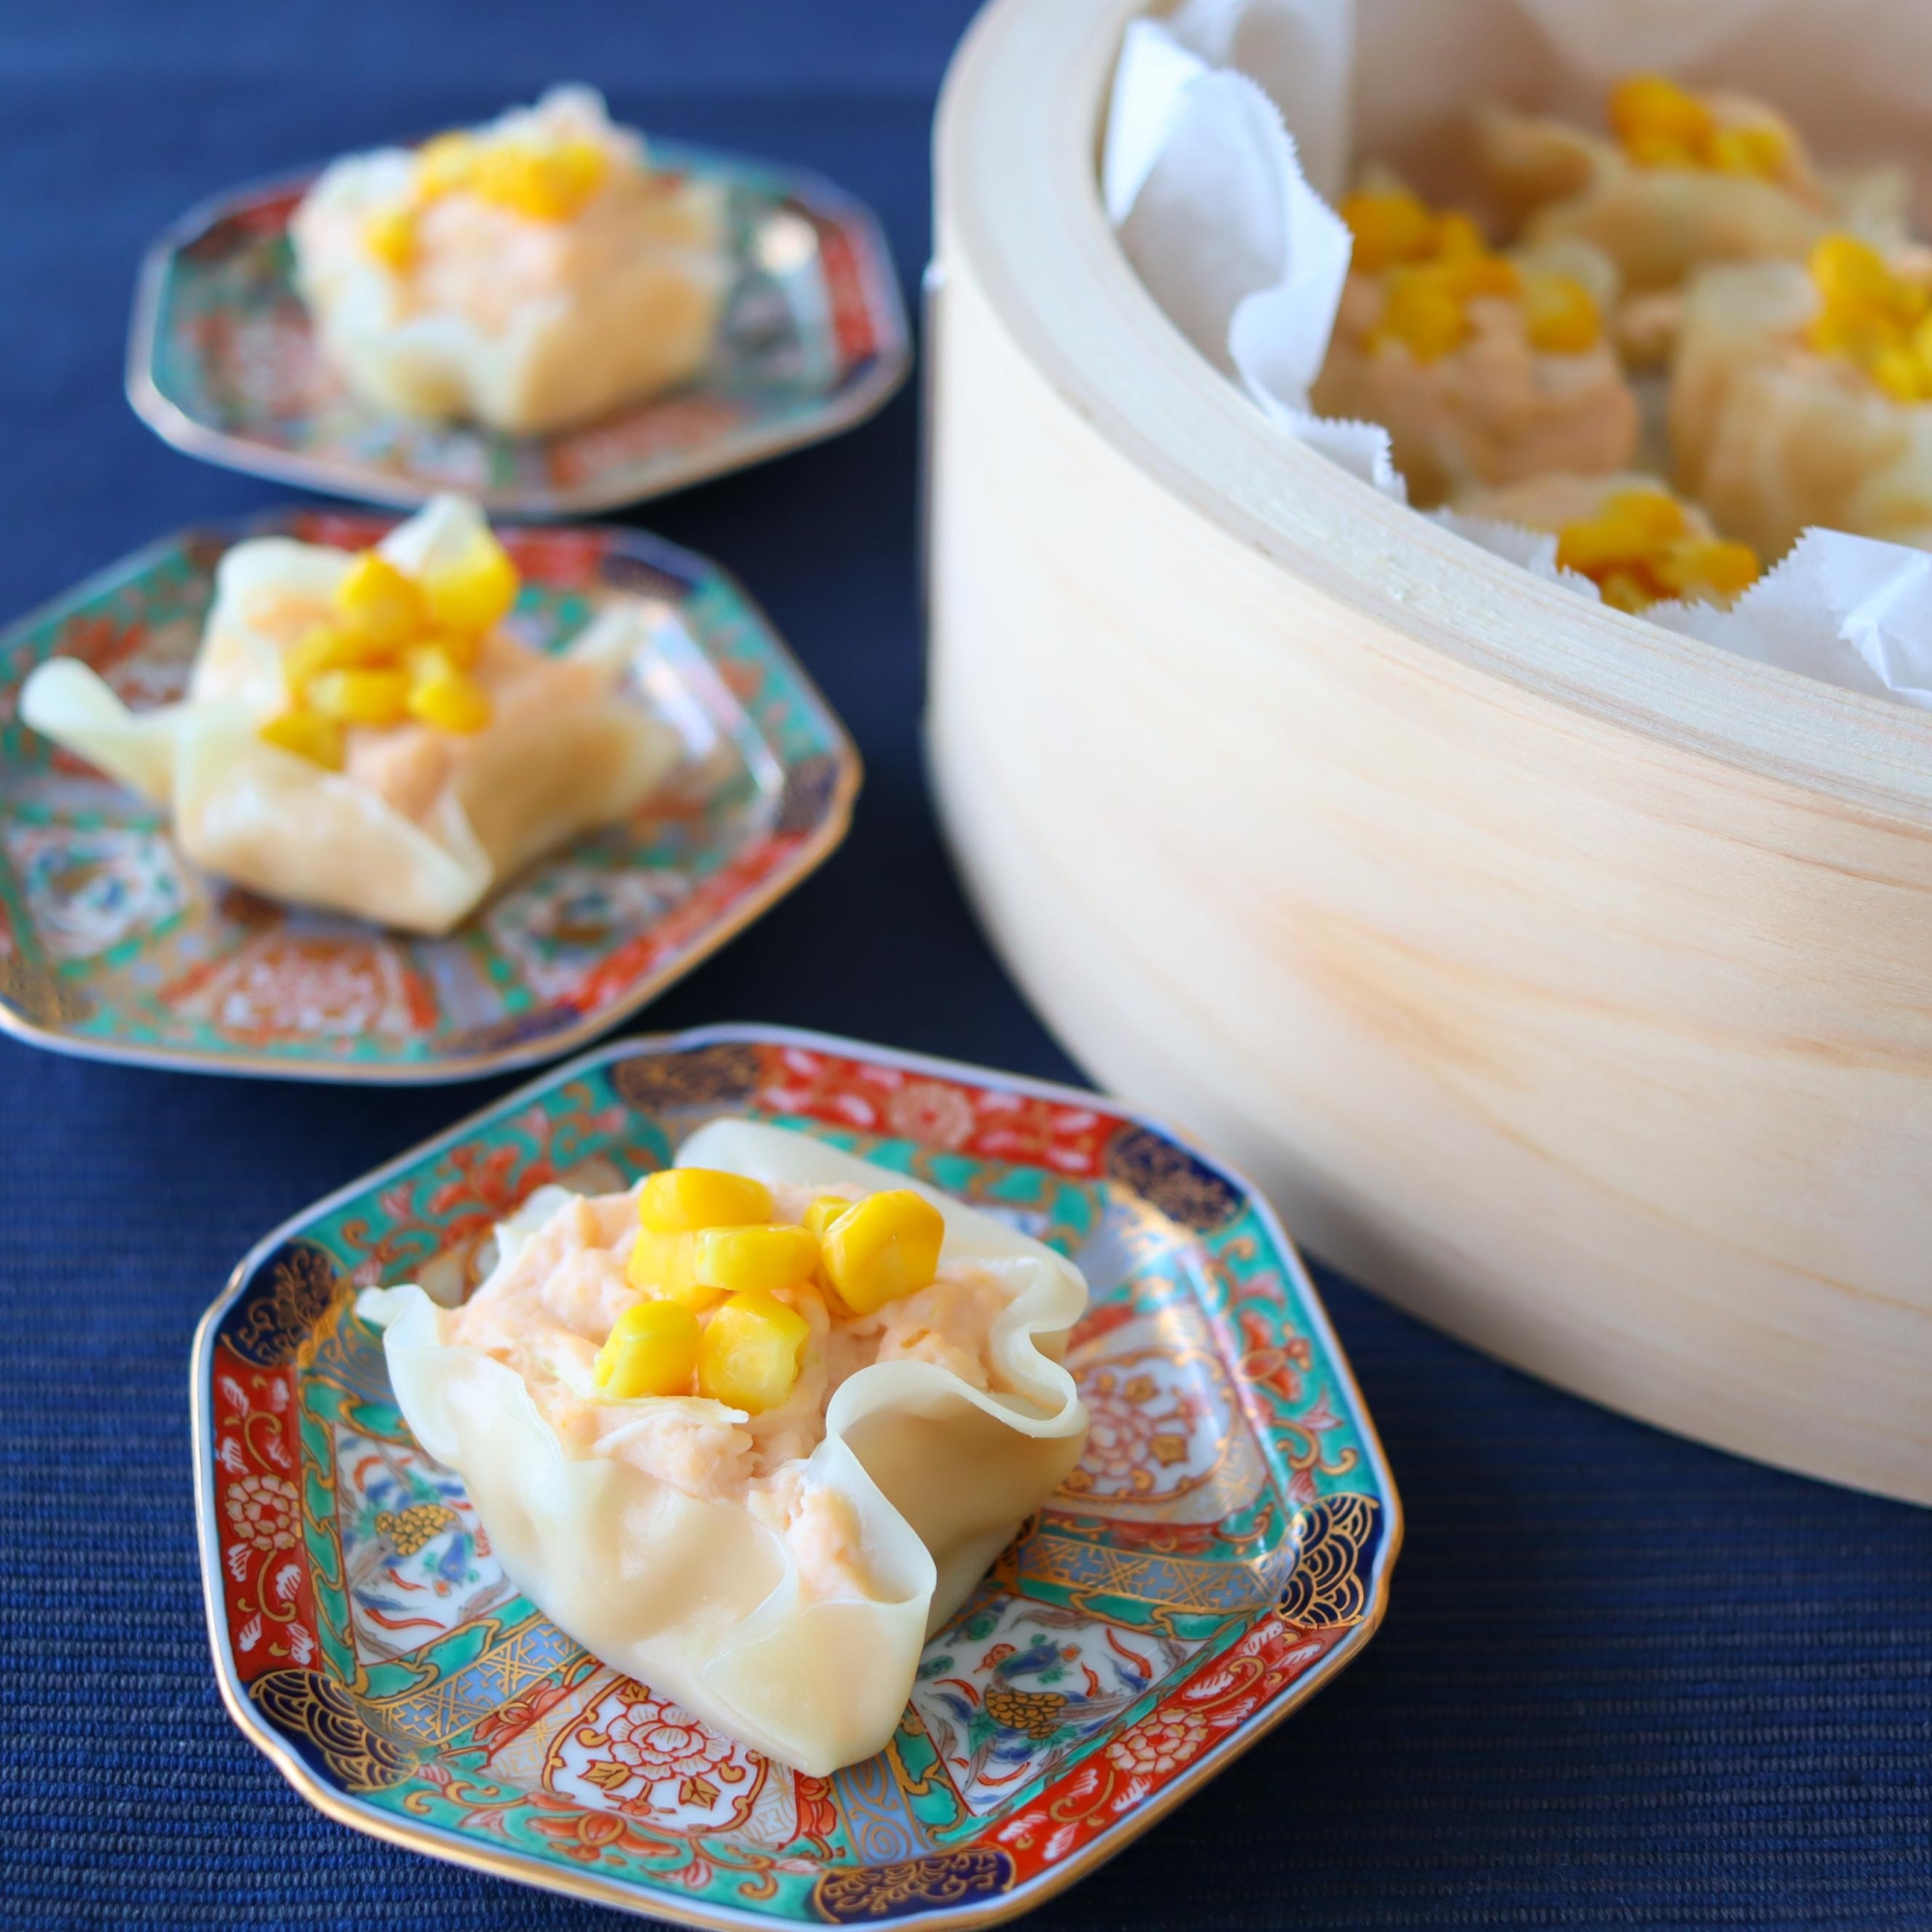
1625,1681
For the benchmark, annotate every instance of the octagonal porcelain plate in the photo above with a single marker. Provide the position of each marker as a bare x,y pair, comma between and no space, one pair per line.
1221,1553
113,946
223,362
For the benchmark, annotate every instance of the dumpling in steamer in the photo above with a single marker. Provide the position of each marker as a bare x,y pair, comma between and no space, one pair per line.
1628,535
1800,394
361,733
1483,369
1683,180
750,1431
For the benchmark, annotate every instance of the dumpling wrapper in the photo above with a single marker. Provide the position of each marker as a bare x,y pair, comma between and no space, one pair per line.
524,326
1772,438
421,825
698,1600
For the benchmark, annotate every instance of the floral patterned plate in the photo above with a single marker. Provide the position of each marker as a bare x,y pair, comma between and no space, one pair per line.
222,363
1221,1553
112,944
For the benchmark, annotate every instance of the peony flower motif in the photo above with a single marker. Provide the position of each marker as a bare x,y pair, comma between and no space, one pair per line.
661,1740
1161,1743
261,1511
932,1113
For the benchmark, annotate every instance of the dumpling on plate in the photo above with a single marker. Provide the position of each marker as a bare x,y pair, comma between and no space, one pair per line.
1682,180
1800,394
753,1429
361,731
1639,544
1484,369
528,274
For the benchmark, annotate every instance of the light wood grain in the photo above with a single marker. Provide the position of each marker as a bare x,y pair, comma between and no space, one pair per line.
1568,980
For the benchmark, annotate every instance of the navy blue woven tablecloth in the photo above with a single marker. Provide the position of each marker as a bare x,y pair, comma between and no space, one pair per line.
1624,1682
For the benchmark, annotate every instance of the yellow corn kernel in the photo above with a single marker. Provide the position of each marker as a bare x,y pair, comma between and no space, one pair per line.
1420,314
883,1247
308,735
328,647
1455,236
1651,111
472,591
1662,151
1656,515
822,1212
1850,274
1852,336
1713,569
1899,373
445,163
377,601
1593,545
1466,276
1628,590
542,183
1389,226
684,1199
663,1264
1560,315
450,699
652,1350
749,1354
360,697
391,238
756,1259
1758,149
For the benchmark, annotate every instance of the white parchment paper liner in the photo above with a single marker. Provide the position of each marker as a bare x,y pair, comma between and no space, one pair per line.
1201,177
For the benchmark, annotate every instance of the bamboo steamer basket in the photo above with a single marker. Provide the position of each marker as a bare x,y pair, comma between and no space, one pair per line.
1565,980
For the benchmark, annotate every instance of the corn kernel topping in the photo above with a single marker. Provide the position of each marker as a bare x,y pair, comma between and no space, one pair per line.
396,647
308,735
390,235
883,1247
749,1354
1871,317
1434,265
652,1350
1639,549
681,1199
1662,125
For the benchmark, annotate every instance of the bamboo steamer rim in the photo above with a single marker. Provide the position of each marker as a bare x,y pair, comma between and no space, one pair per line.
1016,164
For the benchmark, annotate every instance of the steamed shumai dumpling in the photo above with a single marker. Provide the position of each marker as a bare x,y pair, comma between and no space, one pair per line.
1636,541
752,1431
528,274
1800,394
1684,178
362,733
1484,368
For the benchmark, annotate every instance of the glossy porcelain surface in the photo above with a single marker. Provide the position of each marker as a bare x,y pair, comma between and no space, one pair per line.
223,363
112,945
1222,1551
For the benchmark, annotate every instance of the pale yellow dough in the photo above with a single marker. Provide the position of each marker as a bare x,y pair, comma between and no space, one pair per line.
526,326
421,824
776,1575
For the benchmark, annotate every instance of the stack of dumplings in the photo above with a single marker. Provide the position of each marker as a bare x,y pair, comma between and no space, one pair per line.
1675,344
